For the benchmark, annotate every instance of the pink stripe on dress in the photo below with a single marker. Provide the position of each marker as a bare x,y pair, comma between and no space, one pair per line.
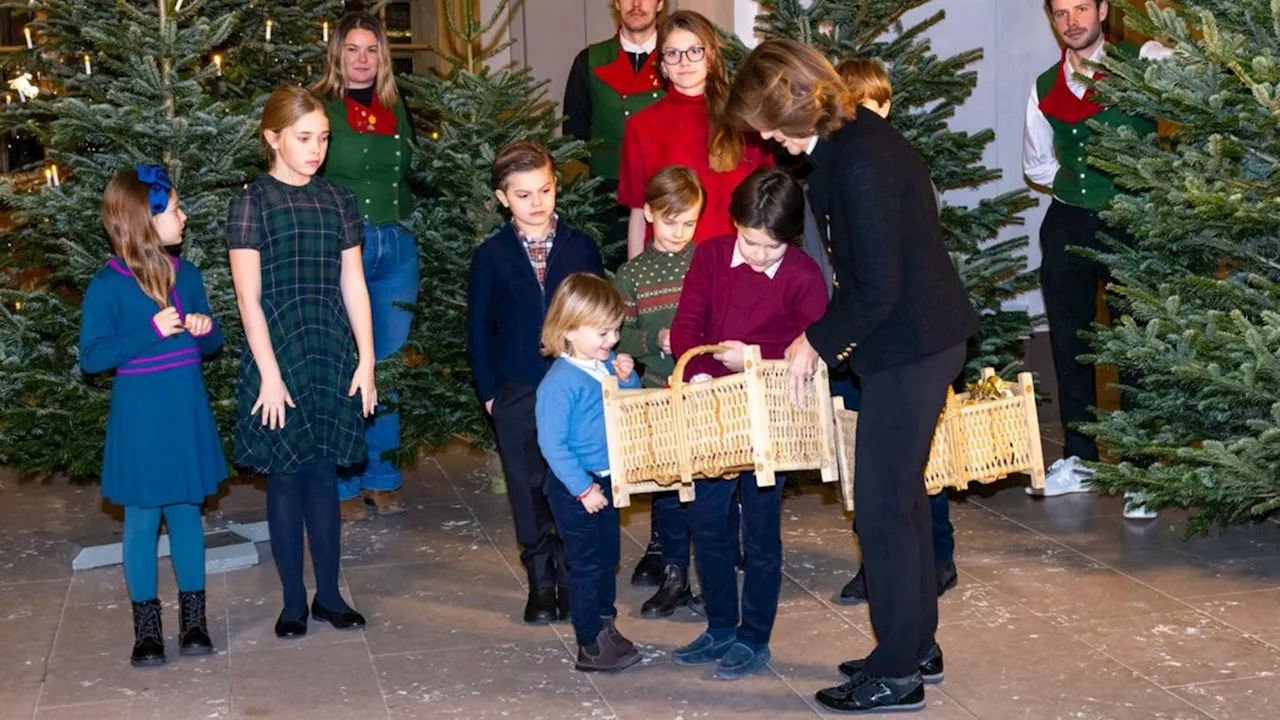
166,356
158,368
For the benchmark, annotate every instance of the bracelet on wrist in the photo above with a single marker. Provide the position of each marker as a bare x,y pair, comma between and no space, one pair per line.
586,492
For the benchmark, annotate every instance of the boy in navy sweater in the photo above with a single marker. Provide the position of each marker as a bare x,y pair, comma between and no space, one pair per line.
514,275
580,332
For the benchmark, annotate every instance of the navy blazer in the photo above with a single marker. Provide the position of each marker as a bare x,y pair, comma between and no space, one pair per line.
506,305
897,295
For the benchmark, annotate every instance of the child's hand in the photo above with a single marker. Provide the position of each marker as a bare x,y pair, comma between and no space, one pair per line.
664,340
488,406
623,365
272,397
167,322
198,325
362,382
731,358
594,501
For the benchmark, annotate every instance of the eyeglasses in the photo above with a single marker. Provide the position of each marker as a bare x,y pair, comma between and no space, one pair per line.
673,56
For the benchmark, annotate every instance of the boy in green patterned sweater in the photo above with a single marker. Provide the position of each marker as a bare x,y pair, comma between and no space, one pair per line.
650,284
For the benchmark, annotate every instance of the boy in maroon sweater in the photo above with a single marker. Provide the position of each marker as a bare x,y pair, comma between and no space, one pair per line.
755,288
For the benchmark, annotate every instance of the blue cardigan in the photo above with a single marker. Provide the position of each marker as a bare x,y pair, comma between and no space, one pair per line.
570,418
506,306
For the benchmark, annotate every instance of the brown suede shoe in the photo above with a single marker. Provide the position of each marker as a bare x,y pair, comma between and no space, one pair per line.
385,502
353,509
610,652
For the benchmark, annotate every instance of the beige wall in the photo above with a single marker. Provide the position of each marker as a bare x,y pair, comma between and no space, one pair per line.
550,33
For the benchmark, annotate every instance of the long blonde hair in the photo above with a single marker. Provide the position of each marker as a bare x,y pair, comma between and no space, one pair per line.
333,85
725,146
126,214
285,106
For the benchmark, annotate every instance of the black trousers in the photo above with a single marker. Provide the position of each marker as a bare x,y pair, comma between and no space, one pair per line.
899,412
1070,286
614,219
526,471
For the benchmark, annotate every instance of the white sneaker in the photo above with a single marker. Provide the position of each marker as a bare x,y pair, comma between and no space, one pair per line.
1134,509
1064,477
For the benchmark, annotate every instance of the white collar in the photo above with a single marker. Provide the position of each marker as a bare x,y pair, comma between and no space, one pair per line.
1096,57
813,143
594,368
647,46
738,259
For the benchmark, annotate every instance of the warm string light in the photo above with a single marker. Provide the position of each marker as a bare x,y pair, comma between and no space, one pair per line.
48,177
177,6
269,25
88,67
27,32
325,27
56,181
217,63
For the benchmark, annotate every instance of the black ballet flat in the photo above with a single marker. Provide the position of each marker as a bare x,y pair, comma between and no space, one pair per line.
286,628
340,619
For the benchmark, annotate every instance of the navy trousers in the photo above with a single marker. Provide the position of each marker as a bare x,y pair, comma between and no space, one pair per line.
591,552
717,556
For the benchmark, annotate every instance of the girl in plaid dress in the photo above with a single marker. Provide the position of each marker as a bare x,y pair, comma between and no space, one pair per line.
305,386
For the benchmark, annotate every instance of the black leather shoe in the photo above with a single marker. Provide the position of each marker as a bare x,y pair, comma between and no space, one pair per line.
854,592
193,629
564,609
148,635
674,593
931,667
864,693
542,607
343,619
947,577
650,570
291,628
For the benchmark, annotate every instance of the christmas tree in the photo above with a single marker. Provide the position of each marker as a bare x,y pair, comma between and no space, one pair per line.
463,118
110,85
926,92
1199,290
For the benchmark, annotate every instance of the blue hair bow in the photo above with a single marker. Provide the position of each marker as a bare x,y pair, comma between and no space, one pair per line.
157,178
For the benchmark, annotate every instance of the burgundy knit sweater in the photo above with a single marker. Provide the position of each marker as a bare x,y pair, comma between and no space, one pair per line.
722,303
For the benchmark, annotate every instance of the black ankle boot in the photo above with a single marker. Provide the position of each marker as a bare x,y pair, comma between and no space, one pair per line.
148,635
674,593
193,628
649,571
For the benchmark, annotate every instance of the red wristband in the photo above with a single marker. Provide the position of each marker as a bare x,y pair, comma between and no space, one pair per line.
586,492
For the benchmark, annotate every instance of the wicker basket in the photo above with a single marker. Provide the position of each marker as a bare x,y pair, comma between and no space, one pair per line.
978,442
664,439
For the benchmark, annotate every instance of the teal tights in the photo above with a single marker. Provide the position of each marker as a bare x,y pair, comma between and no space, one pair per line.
186,546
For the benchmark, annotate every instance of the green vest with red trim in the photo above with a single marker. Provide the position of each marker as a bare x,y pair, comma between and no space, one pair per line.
1077,182
617,93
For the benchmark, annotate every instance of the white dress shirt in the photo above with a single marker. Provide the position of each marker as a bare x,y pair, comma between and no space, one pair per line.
739,259
1039,162
647,46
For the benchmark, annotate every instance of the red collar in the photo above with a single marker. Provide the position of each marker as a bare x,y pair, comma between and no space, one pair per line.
374,120
1062,104
623,78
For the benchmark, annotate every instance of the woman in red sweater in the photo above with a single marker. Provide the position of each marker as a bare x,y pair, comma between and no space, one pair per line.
687,128
753,288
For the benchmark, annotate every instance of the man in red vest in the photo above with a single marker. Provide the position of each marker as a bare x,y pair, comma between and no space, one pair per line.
609,82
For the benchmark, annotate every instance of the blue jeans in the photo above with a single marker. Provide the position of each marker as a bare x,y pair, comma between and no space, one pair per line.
844,384
391,272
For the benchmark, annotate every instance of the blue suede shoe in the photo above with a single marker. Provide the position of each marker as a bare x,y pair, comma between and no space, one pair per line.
704,649
741,661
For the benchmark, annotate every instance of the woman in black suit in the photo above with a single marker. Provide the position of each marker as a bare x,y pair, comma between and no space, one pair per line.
899,316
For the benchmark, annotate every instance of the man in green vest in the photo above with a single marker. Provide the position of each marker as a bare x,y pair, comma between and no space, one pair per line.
609,82
1054,156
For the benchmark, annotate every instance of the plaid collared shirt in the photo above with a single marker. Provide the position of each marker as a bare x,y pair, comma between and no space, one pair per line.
539,249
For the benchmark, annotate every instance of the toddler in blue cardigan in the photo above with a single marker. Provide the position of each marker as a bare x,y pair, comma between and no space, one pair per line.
580,331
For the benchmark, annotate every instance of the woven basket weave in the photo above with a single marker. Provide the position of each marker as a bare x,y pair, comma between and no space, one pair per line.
979,442
664,439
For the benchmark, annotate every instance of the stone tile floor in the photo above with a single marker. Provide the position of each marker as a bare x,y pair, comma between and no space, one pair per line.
1064,610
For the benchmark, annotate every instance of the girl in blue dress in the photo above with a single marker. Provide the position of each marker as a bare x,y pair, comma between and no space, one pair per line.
146,317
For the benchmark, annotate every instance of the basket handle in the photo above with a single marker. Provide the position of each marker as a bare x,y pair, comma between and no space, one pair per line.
677,376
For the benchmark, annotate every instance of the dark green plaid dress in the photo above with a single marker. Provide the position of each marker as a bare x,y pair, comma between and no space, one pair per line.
300,232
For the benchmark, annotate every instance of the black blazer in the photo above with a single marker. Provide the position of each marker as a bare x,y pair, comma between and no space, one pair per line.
896,294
